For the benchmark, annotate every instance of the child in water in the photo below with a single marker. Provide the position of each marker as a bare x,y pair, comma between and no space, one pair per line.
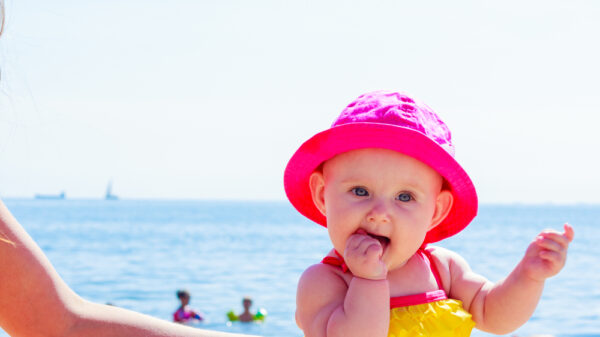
246,316
184,313
384,181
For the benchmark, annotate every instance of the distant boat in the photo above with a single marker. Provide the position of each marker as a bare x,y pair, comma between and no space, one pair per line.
109,195
60,196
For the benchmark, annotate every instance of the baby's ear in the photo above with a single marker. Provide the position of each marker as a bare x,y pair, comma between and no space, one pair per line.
443,205
317,190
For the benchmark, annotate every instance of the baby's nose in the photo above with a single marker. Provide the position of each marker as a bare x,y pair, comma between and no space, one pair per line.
378,213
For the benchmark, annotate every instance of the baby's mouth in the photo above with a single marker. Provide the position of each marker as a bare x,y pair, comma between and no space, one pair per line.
383,240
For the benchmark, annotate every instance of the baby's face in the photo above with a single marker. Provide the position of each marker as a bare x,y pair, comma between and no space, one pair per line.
391,196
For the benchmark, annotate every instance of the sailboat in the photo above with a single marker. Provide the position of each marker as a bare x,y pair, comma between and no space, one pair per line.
109,195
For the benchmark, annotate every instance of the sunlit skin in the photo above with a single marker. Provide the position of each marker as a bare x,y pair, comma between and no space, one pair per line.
379,206
377,218
35,301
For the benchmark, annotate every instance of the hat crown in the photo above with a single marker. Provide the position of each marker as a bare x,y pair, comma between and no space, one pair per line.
397,109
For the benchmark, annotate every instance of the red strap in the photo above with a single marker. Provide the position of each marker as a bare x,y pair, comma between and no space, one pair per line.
429,260
426,297
336,261
400,301
423,252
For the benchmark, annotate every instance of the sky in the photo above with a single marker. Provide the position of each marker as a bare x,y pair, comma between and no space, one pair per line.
187,99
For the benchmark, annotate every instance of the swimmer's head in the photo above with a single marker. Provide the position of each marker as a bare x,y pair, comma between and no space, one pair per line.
247,302
184,296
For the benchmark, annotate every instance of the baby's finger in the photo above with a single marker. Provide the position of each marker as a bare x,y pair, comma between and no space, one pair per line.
355,240
362,243
549,244
366,242
374,248
569,232
552,256
560,238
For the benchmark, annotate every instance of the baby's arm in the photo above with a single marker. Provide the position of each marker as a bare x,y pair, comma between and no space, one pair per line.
502,307
328,306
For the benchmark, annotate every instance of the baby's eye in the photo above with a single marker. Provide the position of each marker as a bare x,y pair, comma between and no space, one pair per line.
359,191
405,197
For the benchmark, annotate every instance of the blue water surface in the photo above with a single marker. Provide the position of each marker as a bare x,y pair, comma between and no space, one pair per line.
137,253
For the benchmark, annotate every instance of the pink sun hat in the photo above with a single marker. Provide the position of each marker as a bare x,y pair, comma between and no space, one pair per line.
385,120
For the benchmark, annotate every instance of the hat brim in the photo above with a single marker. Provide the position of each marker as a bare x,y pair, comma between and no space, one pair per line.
329,143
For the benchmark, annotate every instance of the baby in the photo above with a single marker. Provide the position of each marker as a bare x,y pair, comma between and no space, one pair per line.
384,181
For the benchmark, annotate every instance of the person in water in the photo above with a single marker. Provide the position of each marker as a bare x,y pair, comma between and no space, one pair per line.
246,316
184,313
384,181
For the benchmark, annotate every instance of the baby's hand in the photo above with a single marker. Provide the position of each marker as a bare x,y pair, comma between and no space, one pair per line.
547,254
363,256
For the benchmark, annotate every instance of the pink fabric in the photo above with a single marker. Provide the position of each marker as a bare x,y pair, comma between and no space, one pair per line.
183,315
428,297
397,109
386,120
426,256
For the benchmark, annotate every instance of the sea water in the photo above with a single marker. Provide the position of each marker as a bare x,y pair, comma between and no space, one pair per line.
136,253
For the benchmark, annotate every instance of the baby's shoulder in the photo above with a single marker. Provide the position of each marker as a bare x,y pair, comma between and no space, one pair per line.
323,275
448,263
443,255
319,286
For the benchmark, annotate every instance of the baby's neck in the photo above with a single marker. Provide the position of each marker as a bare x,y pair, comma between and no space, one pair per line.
413,277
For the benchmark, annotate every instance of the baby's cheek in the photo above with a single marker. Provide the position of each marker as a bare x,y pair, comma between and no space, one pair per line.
339,240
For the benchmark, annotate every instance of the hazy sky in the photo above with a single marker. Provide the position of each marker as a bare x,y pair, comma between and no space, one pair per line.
209,99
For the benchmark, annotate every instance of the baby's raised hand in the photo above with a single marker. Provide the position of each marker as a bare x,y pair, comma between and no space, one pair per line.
547,254
363,256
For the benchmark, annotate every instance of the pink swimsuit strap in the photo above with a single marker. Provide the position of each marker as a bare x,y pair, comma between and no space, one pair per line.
337,261
403,301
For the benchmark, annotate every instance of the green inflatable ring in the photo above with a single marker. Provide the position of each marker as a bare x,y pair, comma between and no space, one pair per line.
260,316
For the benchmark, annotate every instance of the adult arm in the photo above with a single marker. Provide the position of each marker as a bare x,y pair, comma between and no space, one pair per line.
35,301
